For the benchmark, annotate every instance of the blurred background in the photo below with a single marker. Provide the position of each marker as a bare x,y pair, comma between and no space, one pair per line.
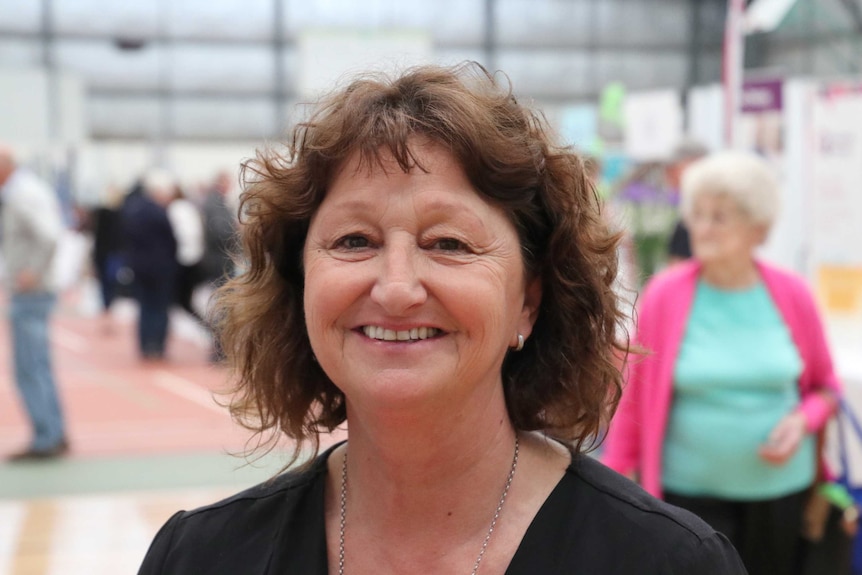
94,94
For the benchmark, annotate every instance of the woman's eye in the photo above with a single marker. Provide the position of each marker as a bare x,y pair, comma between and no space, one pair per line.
353,242
449,245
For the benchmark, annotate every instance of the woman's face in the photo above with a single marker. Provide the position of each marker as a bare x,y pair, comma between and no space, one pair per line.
720,231
414,285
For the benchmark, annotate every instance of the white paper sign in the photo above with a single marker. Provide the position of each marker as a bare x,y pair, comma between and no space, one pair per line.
837,178
653,124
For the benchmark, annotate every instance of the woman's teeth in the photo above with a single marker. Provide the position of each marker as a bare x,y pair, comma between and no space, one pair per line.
415,334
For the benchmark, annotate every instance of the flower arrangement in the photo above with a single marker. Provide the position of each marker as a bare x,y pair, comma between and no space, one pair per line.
649,210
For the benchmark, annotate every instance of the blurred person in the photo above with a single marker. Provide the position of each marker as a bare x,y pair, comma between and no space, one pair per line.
220,226
32,225
721,414
426,265
104,223
152,250
219,231
686,152
188,228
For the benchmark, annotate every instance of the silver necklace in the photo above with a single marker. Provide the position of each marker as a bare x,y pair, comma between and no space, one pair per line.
343,519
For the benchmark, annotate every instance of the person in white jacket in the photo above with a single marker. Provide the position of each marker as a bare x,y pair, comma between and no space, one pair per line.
187,223
32,226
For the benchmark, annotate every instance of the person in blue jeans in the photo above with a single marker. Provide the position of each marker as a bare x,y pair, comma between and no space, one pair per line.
31,229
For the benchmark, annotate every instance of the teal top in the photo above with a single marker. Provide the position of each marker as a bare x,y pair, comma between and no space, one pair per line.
735,378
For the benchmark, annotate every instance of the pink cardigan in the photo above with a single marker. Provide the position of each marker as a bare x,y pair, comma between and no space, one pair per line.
636,435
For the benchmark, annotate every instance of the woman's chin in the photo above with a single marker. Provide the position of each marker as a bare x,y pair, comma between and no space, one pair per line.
396,391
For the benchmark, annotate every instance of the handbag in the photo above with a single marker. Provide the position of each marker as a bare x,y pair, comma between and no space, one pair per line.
831,516
854,491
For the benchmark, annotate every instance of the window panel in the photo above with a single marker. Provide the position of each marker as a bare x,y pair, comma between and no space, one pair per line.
244,118
228,69
102,65
460,22
290,69
567,22
124,117
838,58
655,23
135,18
455,21
452,57
791,60
546,73
19,16
300,14
610,67
225,19
20,53
660,70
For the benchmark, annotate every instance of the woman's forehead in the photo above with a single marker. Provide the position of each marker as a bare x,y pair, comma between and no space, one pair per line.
416,152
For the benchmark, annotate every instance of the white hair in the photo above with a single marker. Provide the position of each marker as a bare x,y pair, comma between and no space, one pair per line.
743,176
159,184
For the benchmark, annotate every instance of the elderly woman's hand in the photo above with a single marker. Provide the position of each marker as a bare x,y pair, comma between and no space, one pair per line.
784,439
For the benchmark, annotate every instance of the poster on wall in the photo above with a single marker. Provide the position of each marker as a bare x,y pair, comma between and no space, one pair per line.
836,177
762,130
761,119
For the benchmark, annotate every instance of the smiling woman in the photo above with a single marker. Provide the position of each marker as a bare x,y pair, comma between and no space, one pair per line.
397,252
424,263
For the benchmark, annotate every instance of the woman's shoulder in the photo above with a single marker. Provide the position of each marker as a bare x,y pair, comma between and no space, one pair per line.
777,277
278,491
230,533
630,503
790,291
664,291
672,277
614,526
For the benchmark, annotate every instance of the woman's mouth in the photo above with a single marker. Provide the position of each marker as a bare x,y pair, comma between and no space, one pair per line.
414,334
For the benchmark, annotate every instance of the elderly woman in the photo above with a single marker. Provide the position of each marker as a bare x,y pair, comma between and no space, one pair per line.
720,417
424,264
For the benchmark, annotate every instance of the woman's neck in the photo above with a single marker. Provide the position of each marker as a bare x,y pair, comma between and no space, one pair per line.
419,462
731,275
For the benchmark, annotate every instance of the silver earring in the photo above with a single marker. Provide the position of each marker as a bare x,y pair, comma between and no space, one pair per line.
520,345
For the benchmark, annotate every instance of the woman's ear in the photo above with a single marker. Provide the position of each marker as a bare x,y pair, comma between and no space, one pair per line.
530,311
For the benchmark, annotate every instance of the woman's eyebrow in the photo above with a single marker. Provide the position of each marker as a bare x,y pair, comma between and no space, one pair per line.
455,211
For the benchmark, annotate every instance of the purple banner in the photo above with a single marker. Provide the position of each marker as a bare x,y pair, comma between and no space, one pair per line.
762,95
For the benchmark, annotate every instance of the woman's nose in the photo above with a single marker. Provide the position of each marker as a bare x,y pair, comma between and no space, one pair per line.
399,286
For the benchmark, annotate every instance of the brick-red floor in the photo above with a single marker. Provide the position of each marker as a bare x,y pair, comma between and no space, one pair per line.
114,403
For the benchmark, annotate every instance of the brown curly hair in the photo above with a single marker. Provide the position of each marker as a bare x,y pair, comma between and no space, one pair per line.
566,381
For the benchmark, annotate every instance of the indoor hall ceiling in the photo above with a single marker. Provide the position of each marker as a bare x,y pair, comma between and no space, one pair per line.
189,67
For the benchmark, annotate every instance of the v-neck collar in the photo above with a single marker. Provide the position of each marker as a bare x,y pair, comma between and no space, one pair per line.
309,554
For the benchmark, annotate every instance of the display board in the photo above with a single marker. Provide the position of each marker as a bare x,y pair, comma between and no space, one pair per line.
836,187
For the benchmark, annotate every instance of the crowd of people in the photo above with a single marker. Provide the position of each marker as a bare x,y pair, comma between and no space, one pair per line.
150,244
158,246
427,264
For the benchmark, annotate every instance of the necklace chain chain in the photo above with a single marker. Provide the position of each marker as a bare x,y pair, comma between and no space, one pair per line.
343,518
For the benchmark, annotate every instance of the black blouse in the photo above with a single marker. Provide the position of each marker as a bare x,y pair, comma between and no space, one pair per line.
594,522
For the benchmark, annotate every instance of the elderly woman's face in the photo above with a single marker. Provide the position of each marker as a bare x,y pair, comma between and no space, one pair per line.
414,285
721,231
